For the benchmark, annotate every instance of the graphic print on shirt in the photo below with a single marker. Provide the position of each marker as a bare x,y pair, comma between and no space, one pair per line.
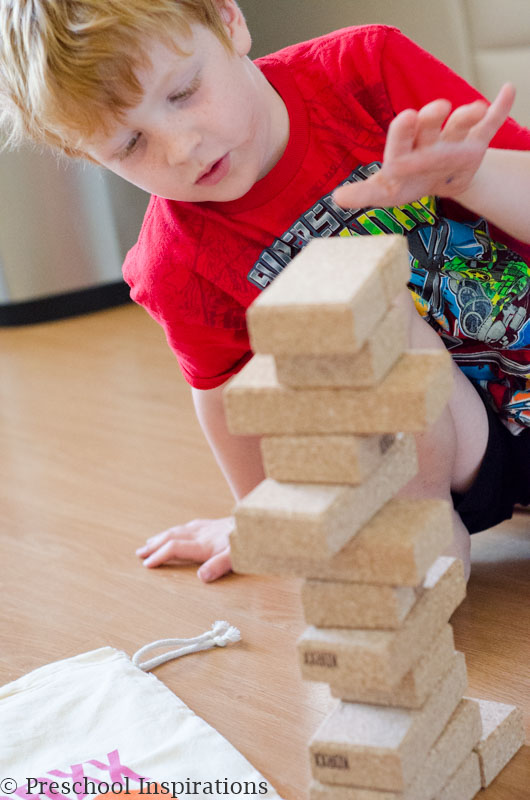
473,291
325,218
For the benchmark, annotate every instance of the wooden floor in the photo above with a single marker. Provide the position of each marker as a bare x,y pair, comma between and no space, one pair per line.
99,448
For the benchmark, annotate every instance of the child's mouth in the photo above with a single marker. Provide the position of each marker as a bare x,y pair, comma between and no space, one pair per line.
216,173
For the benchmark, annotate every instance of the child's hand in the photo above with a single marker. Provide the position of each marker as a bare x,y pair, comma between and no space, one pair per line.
203,541
421,158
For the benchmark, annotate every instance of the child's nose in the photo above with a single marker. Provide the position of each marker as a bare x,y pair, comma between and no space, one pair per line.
179,147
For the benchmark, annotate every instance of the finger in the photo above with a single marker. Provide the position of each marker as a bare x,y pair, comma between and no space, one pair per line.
182,551
360,193
462,121
155,542
430,120
216,566
152,544
187,531
496,114
401,135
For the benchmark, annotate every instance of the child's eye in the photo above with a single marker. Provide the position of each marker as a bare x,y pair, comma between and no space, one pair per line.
185,93
130,147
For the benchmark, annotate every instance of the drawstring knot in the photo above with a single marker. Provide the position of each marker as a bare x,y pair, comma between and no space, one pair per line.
221,634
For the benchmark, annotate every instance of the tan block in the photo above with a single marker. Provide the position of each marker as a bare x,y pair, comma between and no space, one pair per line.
343,604
324,459
288,519
330,297
375,659
410,398
327,791
465,783
413,690
502,736
366,368
447,754
397,546
444,758
383,748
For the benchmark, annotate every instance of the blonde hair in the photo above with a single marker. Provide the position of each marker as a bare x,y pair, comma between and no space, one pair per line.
68,68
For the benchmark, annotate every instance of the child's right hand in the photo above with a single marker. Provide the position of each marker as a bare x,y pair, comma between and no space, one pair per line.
204,541
430,152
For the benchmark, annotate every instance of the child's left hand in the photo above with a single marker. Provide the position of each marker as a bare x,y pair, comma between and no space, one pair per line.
204,541
423,158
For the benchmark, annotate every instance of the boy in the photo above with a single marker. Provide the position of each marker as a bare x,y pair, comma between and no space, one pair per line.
242,159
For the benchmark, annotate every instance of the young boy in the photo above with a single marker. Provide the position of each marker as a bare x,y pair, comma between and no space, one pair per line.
242,160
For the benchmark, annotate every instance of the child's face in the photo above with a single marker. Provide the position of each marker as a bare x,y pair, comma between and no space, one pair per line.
208,126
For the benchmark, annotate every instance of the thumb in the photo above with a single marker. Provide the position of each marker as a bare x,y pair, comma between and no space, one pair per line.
216,566
354,195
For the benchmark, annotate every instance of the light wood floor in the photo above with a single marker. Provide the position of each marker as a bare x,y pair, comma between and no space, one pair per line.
99,448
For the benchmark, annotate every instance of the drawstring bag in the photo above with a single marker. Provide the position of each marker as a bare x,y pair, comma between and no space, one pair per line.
99,724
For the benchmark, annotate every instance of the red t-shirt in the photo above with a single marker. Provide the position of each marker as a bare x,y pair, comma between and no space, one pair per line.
197,267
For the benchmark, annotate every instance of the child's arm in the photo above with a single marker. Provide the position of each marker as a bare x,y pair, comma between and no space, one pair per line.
238,456
207,540
423,158
500,191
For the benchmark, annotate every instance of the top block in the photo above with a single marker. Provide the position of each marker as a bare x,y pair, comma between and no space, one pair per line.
331,297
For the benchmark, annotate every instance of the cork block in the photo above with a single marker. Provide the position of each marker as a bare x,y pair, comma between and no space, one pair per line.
445,757
330,297
377,659
325,791
343,604
413,690
383,748
502,736
366,368
410,398
288,519
397,546
324,459
465,783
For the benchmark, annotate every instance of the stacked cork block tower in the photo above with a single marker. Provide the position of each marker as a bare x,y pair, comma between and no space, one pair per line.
337,398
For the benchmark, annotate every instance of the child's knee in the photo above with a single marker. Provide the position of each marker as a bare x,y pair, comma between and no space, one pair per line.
436,448
451,451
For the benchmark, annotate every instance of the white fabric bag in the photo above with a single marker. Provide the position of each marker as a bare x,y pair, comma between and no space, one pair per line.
97,724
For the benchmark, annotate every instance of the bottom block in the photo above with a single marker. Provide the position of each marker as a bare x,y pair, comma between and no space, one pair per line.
384,748
465,783
447,754
502,736
445,757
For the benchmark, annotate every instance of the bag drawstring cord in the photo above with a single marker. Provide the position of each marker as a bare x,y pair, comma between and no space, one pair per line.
219,635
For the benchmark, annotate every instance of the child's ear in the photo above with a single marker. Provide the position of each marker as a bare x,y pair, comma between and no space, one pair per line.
225,15
235,25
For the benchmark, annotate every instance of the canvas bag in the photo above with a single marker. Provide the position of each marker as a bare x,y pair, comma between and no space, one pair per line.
98,724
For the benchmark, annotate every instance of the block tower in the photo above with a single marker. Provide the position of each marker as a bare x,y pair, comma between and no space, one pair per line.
337,399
